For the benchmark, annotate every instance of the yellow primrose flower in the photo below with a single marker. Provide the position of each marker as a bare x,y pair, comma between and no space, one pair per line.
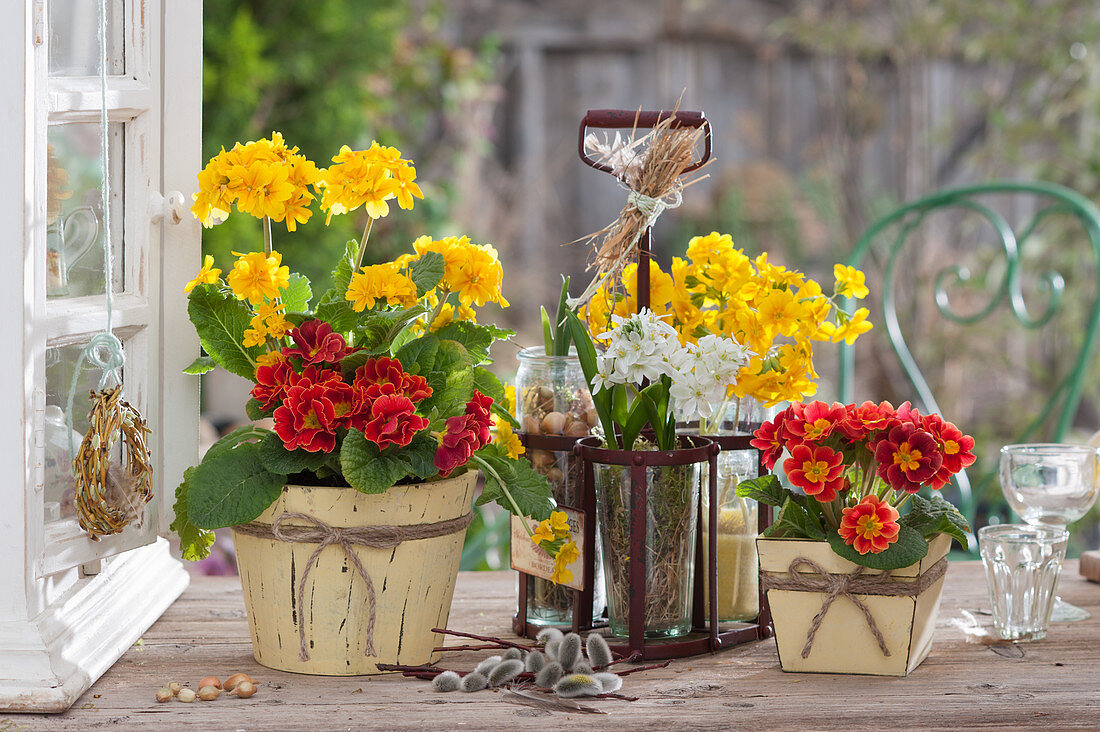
269,318
509,440
850,282
709,248
380,281
848,329
559,522
510,398
543,533
367,178
254,337
270,358
255,276
479,278
560,575
567,554
208,275
263,189
407,187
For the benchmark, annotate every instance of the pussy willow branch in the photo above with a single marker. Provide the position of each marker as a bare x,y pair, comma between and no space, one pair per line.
485,639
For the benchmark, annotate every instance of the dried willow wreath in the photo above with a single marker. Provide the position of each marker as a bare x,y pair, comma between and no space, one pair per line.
110,496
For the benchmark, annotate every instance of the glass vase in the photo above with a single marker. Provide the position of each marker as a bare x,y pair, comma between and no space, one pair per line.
738,575
552,398
672,500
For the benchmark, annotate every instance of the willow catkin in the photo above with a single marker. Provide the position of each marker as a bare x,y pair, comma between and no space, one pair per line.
535,661
547,634
570,651
447,681
609,682
578,685
474,682
486,667
505,671
549,675
599,653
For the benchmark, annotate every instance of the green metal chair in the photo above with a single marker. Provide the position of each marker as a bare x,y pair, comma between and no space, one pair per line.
977,294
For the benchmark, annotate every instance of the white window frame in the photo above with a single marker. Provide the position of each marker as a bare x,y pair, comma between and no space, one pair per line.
62,625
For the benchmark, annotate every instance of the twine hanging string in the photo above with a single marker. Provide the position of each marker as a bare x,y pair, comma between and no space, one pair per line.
324,535
817,579
104,351
649,207
108,496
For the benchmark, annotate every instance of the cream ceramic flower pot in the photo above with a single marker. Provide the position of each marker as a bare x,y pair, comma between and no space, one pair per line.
844,642
413,582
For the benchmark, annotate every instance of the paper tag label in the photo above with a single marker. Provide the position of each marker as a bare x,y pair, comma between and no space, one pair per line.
532,559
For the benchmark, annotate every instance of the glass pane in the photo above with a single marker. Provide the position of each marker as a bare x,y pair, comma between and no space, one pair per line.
74,209
60,485
74,37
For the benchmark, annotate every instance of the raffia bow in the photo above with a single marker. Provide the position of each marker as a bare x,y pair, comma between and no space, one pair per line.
324,535
817,579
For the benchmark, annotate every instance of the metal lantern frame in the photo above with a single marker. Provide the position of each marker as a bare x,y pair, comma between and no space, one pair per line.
707,634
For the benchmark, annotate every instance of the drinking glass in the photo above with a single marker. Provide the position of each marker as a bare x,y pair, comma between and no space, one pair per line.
1021,569
1054,485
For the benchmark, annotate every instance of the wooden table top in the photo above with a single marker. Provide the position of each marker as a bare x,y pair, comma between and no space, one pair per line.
1052,684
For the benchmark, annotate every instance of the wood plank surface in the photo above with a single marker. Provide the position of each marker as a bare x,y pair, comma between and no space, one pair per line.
1050,684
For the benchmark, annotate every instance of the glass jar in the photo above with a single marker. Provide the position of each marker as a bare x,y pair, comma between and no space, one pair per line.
552,398
738,575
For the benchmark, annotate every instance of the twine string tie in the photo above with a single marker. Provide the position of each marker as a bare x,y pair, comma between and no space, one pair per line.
850,586
324,535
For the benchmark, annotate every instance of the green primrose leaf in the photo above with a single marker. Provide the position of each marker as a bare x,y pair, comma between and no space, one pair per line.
451,378
426,272
936,516
297,294
241,435
367,468
768,490
200,365
277,459
221,320
421,456
195,543
502,412
254,411
341,276
529,490
339,314
488,384
418,356
796,522
476,339
231,487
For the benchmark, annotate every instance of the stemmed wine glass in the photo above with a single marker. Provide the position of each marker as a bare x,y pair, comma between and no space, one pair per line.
1055,485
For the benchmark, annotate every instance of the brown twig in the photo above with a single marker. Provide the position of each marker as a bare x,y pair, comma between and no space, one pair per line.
485,638
486,647
643,668
402,667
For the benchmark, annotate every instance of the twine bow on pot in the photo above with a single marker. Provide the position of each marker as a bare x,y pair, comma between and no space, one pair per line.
324,535
817,579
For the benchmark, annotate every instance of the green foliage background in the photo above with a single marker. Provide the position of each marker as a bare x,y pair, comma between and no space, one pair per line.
327,73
